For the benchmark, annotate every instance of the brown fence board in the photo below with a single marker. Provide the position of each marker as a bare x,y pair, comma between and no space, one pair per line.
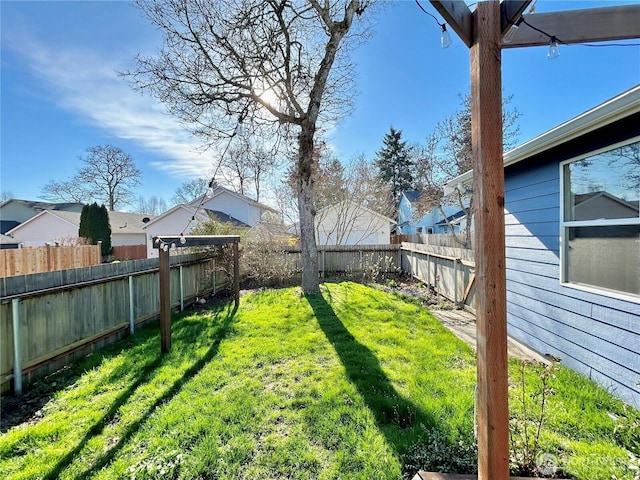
30,260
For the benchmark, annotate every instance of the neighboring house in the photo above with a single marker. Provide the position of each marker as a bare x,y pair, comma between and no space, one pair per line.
348,223
572,231
224,205
7,242
13,212
50,227
240,207
431,222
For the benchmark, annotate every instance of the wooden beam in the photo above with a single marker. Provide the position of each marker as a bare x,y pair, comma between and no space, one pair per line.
165,300
488,192
510,12
458,16
194,240
579,26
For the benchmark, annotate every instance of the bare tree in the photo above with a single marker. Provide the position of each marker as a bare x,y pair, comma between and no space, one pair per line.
108,176
152,205
344,198
447,154
246,164
278,66
6,195
189,190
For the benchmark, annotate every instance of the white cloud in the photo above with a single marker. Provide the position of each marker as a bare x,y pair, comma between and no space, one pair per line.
86,82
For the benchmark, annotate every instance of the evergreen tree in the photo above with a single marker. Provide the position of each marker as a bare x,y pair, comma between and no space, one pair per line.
395,164
94,226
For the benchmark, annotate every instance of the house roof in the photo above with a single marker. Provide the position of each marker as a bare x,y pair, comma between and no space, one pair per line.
361,207
120,222
617,108
223,217
218,189
6,225
193,211
455,218
586,197
40,206
412,195
7,240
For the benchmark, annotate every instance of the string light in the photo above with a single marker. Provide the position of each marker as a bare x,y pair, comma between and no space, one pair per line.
445,38
513,29
554,50
209,192
183,240
554,41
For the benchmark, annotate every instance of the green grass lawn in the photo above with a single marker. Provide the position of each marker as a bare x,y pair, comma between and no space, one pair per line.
351,384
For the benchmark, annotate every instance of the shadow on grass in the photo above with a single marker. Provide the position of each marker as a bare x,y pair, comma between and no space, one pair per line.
394,414
145,374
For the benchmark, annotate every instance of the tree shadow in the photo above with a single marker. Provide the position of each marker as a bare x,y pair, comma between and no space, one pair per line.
401,421
145,374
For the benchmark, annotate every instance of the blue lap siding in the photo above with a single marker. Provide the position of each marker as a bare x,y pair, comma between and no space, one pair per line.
594,334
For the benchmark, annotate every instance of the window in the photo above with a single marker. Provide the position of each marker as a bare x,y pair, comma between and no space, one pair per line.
600,220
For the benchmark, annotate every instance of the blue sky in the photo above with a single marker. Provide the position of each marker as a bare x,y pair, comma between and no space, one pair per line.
61,93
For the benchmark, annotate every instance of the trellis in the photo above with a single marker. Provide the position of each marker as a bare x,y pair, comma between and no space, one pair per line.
165,244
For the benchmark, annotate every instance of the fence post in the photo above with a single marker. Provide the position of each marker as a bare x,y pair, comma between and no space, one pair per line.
455,281
213,275
17,347
323,268
181,291
131,306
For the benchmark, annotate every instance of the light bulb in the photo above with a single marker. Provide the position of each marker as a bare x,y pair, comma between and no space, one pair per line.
554,50
165,247
183,240
445,38
156,240
513,29
212,184
173,246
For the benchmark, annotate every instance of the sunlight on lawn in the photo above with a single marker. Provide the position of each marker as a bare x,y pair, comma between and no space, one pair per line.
354,383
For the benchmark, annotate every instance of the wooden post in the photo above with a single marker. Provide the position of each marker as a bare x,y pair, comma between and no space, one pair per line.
236,273
488,192
165,300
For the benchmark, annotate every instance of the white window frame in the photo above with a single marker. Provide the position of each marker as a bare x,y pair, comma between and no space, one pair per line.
565,225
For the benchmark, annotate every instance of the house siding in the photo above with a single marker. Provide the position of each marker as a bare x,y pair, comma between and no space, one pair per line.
594,334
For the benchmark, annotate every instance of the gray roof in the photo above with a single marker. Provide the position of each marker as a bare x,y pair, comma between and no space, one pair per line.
412,195
223,217
39,206
7,240
120,222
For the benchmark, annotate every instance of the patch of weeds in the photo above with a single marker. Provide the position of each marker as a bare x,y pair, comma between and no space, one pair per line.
527,420
440,453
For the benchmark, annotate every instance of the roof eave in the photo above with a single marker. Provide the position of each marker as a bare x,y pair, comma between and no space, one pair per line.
608,112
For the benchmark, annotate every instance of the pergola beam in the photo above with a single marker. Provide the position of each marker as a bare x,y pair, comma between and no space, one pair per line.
579,26
510,12
459,18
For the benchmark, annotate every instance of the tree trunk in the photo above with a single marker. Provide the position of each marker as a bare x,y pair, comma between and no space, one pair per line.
307,211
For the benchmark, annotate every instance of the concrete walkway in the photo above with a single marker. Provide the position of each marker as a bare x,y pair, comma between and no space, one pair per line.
463,324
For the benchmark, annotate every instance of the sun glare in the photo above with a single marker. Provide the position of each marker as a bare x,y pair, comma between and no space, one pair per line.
269,96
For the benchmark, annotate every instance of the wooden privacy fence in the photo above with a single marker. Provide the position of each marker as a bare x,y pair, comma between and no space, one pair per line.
348,259
50,319
450,271
28,260
130,252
